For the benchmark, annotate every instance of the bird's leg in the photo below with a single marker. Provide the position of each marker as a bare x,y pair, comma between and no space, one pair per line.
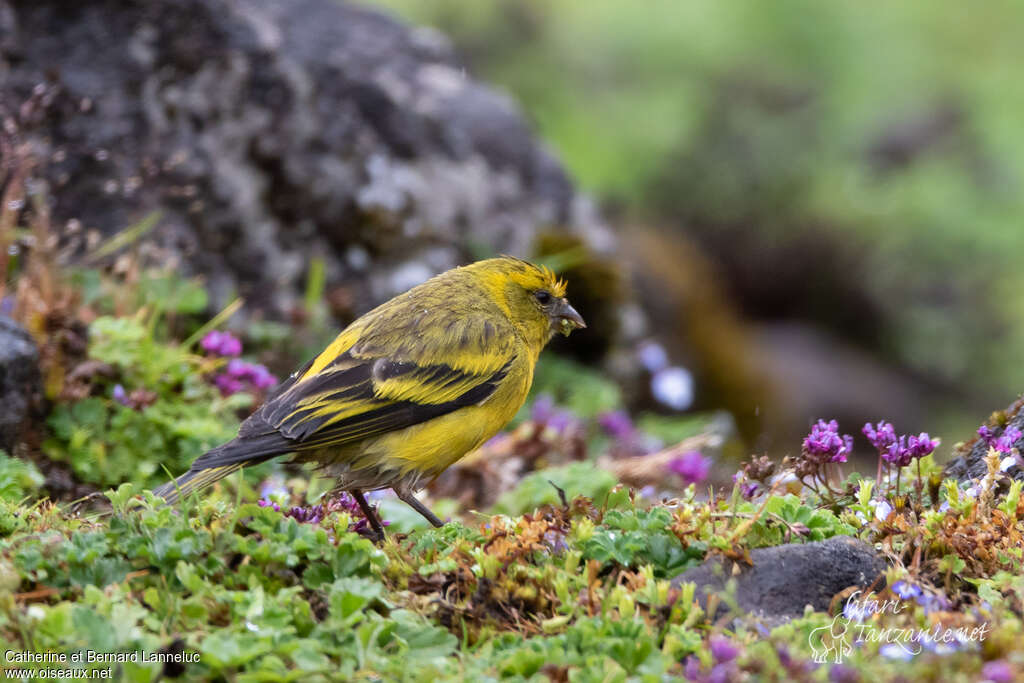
368,512
412,501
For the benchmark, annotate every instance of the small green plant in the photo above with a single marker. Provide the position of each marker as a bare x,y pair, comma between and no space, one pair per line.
19,479
156,408
634,537
547,487
810,522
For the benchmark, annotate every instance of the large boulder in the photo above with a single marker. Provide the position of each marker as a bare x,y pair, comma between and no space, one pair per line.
783,580
21,390
267,132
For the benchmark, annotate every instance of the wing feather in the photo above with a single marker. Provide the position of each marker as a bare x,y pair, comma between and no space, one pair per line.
381,380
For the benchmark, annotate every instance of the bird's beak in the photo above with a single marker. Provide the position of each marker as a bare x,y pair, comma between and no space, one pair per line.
568,318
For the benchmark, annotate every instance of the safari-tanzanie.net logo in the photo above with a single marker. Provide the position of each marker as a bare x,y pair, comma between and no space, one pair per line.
855,627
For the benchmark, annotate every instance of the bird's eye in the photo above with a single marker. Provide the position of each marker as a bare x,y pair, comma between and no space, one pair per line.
543,297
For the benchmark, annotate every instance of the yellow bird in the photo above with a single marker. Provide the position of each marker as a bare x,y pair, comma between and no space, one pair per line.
407,389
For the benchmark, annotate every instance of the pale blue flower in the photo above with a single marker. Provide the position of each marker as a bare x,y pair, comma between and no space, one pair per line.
673,387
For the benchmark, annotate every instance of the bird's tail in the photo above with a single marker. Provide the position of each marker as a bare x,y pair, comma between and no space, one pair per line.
223,460
192,481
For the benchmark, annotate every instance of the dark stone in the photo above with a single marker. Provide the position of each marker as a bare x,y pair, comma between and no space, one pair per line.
21,388
970,464
786,578
270,132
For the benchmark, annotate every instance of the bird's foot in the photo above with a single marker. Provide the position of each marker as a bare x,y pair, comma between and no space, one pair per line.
370,534
373,530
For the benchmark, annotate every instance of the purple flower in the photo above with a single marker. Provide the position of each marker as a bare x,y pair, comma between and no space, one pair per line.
264,503
897,453
120,395
314,514
997,671
906,590
238,368
543,408
230,345
881,437
308,515
824,443
221,343
921,445
749,490
562,421
211,342
722,673
555,542
1004,443
841,673
691,466
898,450
238,372
227,384
544,413
722,650
692,668
617,425
261,377
933,602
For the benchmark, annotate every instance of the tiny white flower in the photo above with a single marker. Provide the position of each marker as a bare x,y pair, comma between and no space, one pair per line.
652,356
882,510
895,651
673,387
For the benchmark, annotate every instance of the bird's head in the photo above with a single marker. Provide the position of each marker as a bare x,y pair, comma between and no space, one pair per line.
534,298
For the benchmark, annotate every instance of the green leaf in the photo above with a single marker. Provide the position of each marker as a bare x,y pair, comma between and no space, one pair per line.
535,490
18,478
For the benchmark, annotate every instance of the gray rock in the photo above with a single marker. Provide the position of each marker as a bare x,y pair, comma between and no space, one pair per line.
970,464
786,578
21,388
268,132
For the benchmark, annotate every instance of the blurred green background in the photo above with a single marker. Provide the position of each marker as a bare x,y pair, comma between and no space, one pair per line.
849,172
